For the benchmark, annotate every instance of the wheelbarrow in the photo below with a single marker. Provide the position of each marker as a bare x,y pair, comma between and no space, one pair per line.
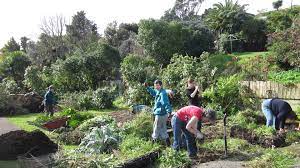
57,123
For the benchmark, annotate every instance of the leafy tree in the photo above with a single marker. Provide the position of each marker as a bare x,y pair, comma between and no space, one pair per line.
227,17
14,65
286,46
47,50
11,46
115,35
36,79
135,71
161,39
277,4
24,41
82,31
198,39
183,10
181,68
86,69
254,34
281,19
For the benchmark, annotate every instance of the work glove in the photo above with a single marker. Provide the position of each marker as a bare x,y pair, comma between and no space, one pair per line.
199,136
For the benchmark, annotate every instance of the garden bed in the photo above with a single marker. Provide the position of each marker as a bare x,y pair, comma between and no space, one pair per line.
277,140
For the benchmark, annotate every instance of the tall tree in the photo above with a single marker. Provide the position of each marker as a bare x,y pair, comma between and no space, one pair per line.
183,10
11,46
82,31
277,4
226,18
24,42
161,39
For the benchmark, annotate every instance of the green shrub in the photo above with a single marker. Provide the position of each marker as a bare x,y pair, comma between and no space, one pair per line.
171,158
181,68
225,94
99,99
100,140
263,130
96,122
140,127
274,159
246,117
71,137
285,77
292,137
135,71
10,86
286,46
257,67
103,98
133,147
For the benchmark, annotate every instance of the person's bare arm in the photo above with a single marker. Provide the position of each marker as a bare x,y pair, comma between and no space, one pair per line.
195,92
192,125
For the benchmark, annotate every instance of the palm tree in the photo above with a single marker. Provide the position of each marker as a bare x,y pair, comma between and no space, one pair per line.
225,17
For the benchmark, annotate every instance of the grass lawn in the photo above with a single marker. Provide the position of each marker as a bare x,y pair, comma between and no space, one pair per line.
250,54
9,164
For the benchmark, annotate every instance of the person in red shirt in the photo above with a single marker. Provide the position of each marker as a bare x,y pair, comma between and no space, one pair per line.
185,121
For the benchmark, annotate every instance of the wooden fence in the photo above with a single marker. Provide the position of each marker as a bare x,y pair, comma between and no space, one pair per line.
268,89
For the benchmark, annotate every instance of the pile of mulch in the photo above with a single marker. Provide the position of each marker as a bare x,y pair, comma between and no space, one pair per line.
17,143
144,161
122,116
277,140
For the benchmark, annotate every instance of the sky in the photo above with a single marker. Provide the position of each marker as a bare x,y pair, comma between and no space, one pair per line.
24,17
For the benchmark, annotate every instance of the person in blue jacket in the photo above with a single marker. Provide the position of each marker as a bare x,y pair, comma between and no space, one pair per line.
49,101
162,109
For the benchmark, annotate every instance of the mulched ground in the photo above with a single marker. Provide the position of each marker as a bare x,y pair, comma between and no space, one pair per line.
18,143
122,116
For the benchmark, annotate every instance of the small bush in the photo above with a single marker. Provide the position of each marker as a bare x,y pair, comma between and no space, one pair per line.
274,158
99,99
140,127
225,95
264,131
71,138
171,158
285,77
100,140
96,122
292,137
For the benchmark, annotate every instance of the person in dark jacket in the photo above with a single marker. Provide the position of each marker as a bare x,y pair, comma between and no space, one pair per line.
193,93
276,112
49,101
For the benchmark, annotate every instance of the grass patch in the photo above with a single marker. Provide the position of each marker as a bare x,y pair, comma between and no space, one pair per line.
251,54
273,158
285,77
9,164
234,145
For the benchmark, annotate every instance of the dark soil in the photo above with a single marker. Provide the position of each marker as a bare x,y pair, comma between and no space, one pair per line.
147,160
16,143
205,155
122,116
277,140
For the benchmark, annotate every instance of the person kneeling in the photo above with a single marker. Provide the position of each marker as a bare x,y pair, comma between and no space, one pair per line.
185,121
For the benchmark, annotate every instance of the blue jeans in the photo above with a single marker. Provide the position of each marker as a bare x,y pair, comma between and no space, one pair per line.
268,113
179,127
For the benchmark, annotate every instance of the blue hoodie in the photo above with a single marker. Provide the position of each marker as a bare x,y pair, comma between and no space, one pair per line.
162,104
